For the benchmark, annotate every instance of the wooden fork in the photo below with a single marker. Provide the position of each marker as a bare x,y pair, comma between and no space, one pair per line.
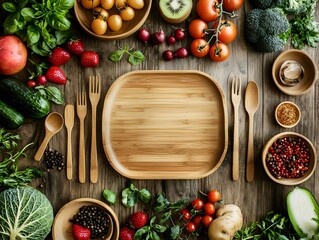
236,96
94,94
81,112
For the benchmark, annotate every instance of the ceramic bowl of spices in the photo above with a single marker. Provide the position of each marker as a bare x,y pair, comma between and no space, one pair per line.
89,213
294,72
287,114
289,158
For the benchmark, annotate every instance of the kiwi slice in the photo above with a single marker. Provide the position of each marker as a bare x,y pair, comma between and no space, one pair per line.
175,11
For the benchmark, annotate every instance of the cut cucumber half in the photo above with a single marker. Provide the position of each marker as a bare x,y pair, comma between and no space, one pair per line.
175,11
302,210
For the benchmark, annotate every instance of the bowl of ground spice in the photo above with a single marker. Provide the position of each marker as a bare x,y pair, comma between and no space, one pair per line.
287,114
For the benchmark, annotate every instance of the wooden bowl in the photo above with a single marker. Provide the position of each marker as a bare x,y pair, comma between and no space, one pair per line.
312,160
310,72
62,227
289,108
85,18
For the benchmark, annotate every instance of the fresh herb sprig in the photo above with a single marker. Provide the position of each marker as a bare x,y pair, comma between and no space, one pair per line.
8,141
131,195
135,56
51,93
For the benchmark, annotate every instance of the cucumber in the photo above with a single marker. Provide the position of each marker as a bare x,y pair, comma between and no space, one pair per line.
302,210
26,100
9,117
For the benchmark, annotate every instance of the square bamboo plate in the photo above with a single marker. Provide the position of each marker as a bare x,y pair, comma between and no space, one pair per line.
165,125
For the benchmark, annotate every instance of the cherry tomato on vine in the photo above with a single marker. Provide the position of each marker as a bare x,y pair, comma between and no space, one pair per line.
190,227
136,4
115,22
199,47
99,26
213,196
197,220
206,10
186,214
89,4
127,14
219,52
207,219
197,28
227,31
197,204
232,5
209,208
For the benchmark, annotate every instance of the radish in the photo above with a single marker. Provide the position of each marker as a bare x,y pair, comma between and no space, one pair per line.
158,37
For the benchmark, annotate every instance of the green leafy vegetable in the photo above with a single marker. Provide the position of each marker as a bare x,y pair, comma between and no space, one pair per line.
109,196
150,232
25,213
135,57
131,195
8,141
51,93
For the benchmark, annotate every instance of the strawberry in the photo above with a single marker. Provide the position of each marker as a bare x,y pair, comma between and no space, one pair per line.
126,233
80,233
75,46
138,220
89,59
55,75
58,56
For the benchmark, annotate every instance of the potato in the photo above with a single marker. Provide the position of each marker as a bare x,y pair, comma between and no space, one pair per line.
229,219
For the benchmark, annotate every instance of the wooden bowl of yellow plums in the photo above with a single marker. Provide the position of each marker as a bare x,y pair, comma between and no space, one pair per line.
111,19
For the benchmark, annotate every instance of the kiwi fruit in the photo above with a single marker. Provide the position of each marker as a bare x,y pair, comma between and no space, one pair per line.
175,11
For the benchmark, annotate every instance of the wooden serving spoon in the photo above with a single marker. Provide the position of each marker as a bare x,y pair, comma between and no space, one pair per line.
53,124
251,105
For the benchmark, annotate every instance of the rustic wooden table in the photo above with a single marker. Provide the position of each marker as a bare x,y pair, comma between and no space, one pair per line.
254,198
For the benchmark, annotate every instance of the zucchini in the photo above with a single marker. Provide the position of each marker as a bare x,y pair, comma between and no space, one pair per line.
23,98
303,210
9,117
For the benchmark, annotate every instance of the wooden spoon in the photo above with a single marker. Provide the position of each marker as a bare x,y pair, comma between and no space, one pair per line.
251,105
109,233
53,124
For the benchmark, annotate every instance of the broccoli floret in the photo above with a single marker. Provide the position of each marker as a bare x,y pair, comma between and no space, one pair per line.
267,29
263,4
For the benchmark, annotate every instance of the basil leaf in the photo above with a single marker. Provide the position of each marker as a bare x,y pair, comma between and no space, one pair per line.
109,196
33,34
62,36
54,95
161,203
139,233
58,21
129,197
174,232
152,221
136,57
13,23
22,3
9,7
159,228
165,217
116,56
154,236
132,187
64,4
27,14
144,195
179,204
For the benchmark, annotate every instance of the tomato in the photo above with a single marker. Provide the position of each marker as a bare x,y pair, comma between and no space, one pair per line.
31,83
107,4
127,14
219,52
197,28
197,204
120,3
232,5
99,26
89,4
209,208
197,220
213,196
137,4
185,214
103,14
206,10
190,227
199,47
227,31
207,219
115,22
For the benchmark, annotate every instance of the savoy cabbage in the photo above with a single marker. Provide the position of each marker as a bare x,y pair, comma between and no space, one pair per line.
25,214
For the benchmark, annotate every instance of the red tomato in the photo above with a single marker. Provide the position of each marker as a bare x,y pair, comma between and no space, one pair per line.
232,5
190,227
197,220
207,219
199,47
206,10
197,204
185,214
219,52
213,196
197,28
227,31
209,208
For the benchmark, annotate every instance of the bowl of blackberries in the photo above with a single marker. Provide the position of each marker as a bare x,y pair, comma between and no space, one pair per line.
289,158
86,218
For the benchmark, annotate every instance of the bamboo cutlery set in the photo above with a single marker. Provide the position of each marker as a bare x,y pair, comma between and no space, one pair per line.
251,106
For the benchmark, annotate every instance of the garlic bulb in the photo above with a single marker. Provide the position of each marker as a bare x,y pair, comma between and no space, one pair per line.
291,73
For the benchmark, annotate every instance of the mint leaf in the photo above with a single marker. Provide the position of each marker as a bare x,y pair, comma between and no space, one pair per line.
136,57
109,196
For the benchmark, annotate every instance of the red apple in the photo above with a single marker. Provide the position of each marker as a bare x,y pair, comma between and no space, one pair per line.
13,55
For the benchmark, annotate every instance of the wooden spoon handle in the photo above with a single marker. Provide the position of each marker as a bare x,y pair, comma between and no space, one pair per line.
250,151
69,157
94,163
235,147
42,147
81,153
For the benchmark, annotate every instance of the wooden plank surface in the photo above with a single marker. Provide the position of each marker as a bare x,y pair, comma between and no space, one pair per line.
254,198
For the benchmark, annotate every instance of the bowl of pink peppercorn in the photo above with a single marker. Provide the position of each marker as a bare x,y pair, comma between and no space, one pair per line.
289,158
